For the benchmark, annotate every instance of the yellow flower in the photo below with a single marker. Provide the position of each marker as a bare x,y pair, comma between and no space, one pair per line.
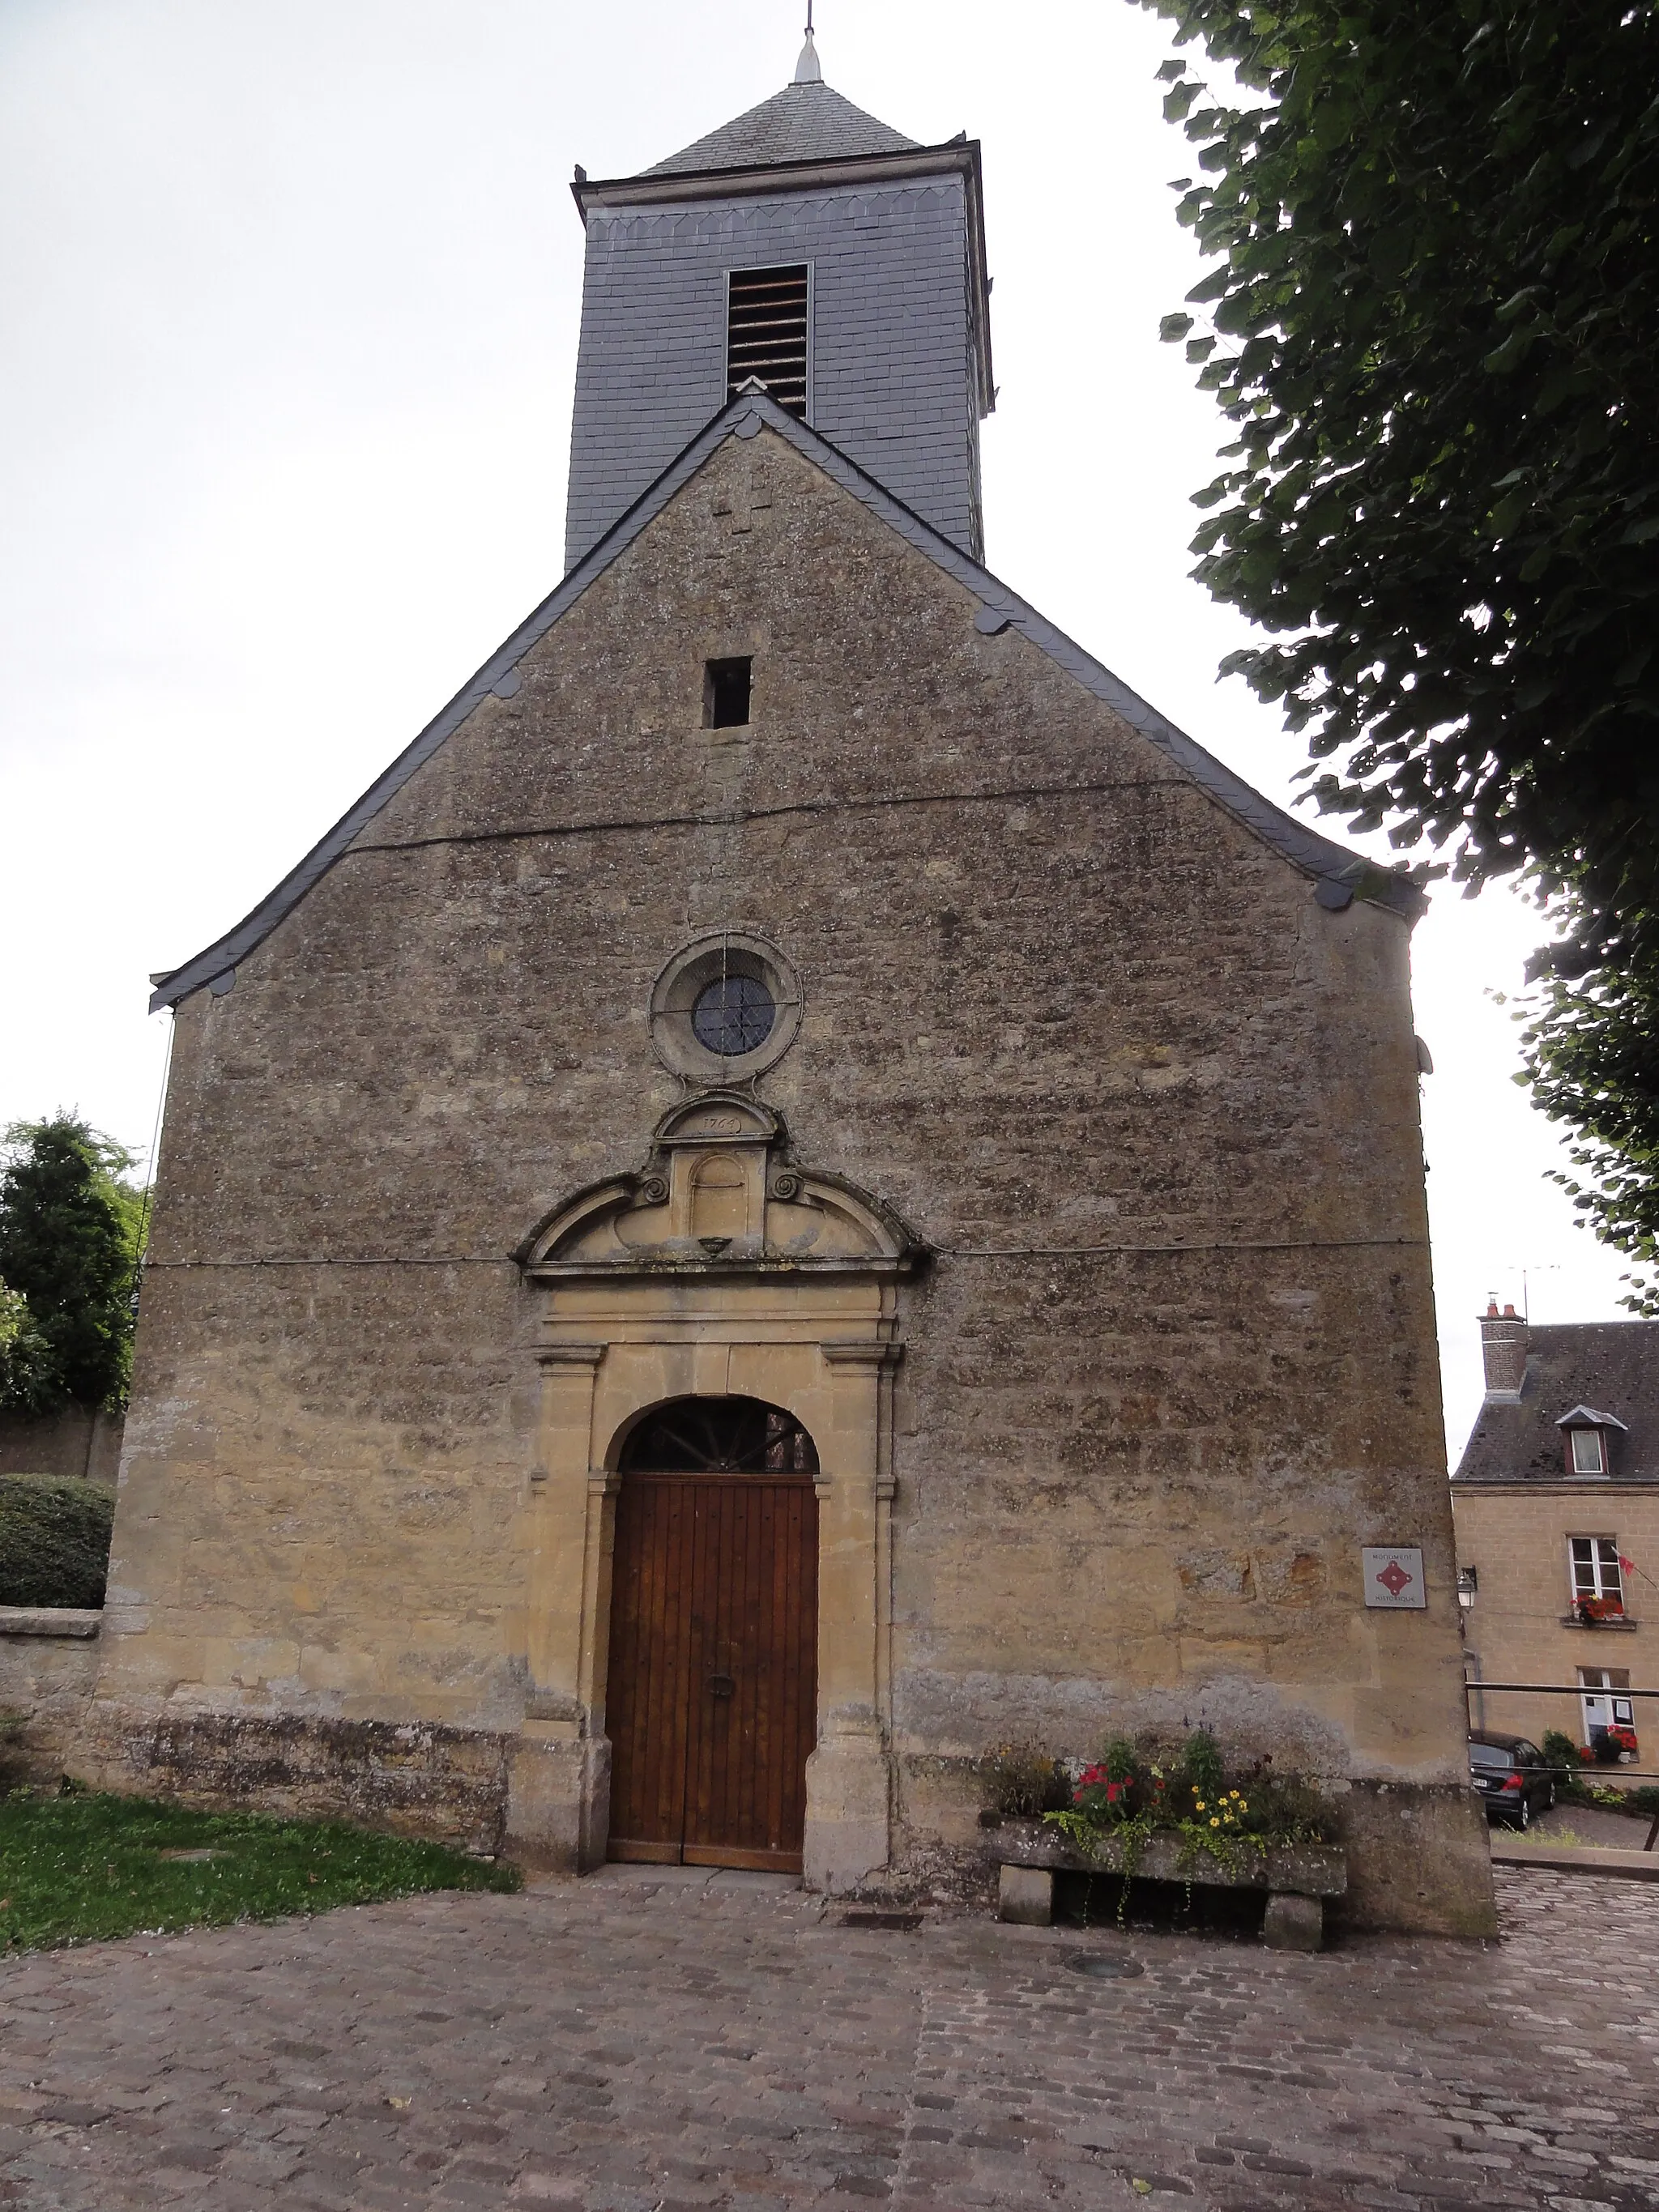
1200,1804
1232,1793
1215,1824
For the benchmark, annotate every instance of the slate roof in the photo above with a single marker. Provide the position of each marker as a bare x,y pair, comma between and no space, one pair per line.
1613,1364
1338,875
802,123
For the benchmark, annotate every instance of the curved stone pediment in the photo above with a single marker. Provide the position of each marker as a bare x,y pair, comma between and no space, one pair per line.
719,1191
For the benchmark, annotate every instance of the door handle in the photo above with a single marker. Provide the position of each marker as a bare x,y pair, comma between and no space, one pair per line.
722,1686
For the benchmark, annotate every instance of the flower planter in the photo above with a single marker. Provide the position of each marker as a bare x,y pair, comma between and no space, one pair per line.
1297,1879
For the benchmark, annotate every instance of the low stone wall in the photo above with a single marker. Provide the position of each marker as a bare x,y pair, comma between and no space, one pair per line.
76,1442
48,1668
413,1779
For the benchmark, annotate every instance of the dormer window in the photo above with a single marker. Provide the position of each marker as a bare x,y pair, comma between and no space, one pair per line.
1588,1436
1590,1451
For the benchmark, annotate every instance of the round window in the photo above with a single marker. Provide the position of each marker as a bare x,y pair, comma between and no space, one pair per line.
726,1007
733,1014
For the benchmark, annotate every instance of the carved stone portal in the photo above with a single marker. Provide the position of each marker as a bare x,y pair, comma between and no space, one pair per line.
720,1267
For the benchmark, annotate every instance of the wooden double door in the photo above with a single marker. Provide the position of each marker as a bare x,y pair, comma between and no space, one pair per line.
712,1697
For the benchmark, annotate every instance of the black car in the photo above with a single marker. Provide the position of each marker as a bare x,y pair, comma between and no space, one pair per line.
1509,1773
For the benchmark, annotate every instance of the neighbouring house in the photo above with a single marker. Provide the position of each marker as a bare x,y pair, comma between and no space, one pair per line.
805,1187
1556,1502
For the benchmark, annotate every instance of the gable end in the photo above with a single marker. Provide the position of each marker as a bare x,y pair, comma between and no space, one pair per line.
1341,875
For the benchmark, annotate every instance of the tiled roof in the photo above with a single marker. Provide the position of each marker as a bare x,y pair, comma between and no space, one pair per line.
802,123
1613,1364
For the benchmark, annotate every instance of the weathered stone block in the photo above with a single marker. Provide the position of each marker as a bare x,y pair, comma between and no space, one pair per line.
557,1796
48,1668
1025,1895
1294,1923
1419,1858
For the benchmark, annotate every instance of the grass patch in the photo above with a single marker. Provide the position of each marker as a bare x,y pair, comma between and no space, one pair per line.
87,1868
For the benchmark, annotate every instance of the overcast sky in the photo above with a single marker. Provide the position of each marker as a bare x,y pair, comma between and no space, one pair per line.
290,306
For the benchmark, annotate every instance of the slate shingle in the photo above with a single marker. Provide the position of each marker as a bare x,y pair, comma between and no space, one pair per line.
802,123
1612,1365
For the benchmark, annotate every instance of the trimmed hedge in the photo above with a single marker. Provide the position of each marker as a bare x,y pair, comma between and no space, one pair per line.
54,1540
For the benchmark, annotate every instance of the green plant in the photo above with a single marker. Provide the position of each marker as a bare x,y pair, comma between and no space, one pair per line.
86,1868
1561,1753
1576,1782
1203,1765
1431,320
25,1362
54,1540
71,1233
1130,1795
1021,1781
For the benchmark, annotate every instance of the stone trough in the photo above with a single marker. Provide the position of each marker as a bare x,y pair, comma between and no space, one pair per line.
1297,1879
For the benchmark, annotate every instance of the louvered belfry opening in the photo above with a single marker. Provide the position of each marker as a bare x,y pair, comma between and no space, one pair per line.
766,324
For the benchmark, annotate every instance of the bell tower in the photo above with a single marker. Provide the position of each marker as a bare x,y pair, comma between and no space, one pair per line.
808,246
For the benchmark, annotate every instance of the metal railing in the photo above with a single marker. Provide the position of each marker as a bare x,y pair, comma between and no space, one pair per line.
1579,1690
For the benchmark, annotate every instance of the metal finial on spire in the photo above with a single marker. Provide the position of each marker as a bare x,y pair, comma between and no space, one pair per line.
806,69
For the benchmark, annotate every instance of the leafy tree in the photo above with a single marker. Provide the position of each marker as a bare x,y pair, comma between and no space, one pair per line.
1435,324
26,1373
69,1239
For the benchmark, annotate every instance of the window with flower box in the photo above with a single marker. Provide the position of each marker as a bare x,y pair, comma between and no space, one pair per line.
1609,1719
1598,1590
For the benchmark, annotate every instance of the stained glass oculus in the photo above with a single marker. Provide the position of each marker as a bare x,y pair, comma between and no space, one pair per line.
733,1015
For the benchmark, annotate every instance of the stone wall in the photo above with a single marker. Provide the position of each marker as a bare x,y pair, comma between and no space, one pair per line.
48,1665
78,1442
1151,1106
412,1779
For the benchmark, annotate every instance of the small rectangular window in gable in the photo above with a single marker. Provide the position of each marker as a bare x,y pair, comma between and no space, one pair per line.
725,694
766,317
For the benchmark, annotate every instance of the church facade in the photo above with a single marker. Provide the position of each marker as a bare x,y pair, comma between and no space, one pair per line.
805,1188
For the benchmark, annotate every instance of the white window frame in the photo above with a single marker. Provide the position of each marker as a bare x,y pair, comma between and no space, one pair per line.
1593,1569
1598,1445
1602,1704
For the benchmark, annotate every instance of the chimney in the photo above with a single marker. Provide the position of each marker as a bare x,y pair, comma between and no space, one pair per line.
1503,1350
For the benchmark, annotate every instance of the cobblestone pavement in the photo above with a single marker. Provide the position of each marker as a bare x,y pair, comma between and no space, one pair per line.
626,2043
